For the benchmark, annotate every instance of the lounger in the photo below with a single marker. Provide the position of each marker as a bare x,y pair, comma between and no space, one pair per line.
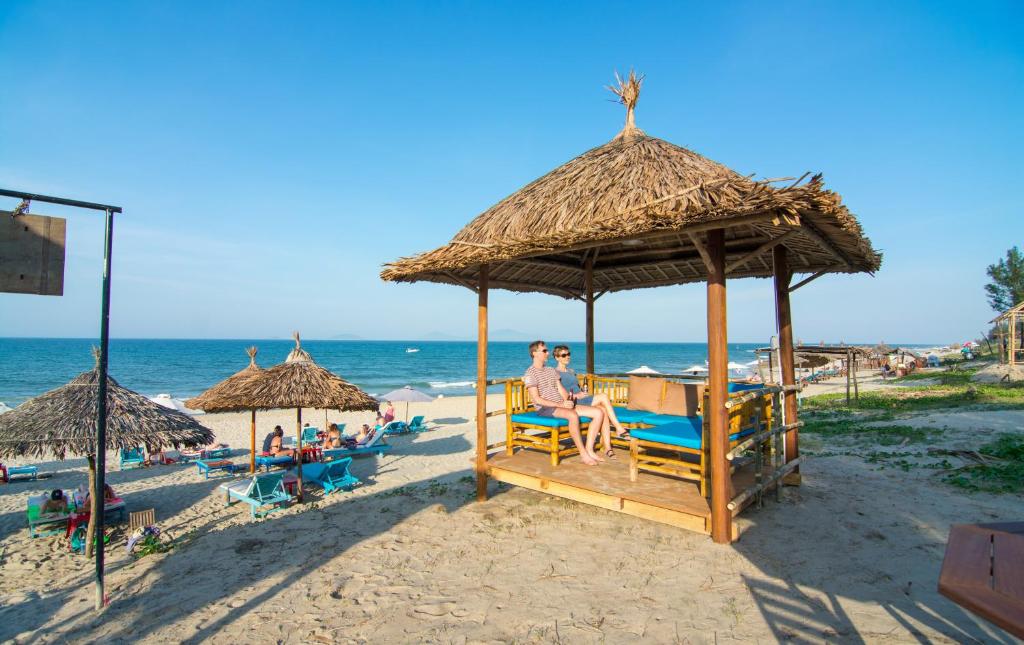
133,457
21,472
331,476
263,493
374,444
394,427
40,524
309,435
417,425
219,452
268,461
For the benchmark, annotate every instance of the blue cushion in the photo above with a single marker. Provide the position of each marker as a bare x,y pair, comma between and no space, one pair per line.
626,415
686,433
533,418
663,419
740,387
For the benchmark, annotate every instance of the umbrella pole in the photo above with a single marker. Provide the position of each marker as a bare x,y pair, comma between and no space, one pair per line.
407,412
91,530
298,457
252,443
101,406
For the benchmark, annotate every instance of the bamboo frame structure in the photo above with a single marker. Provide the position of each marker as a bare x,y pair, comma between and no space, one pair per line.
481,386
1010,319
784,326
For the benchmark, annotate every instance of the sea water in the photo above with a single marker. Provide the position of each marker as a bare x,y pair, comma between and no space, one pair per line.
184,368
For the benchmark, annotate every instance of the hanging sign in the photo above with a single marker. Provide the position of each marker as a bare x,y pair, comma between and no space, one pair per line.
32,254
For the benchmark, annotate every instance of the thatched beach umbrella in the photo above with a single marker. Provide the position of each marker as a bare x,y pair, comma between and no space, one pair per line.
299,383
63,421
222,397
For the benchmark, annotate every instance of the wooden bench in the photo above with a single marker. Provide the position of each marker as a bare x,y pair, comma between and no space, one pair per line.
525,429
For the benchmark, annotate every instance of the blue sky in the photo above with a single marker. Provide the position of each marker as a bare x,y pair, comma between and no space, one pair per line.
271,156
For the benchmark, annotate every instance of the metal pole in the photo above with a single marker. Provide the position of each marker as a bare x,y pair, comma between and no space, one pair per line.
101,409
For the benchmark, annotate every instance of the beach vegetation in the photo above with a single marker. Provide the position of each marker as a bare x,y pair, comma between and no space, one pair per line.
1007,286
998,467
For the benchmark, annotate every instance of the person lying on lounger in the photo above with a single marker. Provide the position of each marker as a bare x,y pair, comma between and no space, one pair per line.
108,496
550,399
600,400
272,444
56,504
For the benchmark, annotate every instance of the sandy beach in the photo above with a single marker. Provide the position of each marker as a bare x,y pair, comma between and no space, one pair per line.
852,555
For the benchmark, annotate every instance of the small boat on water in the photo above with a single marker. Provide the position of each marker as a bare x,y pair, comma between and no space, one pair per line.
411,350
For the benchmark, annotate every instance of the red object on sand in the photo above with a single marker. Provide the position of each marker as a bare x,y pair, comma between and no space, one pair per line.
983,571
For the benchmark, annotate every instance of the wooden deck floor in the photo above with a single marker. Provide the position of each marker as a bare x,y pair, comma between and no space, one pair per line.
653,497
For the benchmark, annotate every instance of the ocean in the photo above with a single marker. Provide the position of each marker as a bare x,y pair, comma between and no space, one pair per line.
184,368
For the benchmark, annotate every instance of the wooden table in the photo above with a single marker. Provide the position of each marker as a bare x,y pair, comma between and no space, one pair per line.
983,571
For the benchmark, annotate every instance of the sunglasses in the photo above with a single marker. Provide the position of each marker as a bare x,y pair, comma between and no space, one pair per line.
565,355
545,350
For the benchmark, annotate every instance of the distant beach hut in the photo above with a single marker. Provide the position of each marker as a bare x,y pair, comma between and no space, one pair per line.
639,212
298,383
643,369
63,421
408,394
223,397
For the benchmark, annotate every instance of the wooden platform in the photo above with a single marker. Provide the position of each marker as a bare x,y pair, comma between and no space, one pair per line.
652,497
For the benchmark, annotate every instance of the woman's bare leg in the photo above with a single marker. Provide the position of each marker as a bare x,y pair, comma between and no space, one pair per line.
601,400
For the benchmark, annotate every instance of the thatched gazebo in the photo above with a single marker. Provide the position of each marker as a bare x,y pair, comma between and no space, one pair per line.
297,383
221,398
63,421
641,212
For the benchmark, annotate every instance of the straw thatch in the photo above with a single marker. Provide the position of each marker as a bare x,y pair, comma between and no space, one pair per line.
630,207
296,383
63,421
221,397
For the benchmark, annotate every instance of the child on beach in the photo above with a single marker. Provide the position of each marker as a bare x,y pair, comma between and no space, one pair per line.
550,399
56,504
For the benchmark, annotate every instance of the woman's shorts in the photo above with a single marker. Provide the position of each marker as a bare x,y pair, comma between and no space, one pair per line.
587,400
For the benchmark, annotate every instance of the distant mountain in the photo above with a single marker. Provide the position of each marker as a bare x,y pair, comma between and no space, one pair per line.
509,334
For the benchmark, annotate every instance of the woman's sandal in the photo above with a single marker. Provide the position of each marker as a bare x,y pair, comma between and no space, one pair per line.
610,454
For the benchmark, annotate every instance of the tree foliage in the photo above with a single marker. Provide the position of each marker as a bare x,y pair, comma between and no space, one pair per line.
1007,286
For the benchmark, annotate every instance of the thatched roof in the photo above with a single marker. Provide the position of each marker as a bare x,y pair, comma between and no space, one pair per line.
63,421
296,383
632,207
221,396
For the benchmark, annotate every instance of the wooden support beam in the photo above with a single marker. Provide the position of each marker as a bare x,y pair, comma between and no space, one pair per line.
588,289
847,378
460,281
784,322
811,231
481,387
772,243
718,381
808,279
704,254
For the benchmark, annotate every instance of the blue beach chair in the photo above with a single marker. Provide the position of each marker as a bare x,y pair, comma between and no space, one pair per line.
269,461
394,427
374,445
133,457
417,425
263,493
331,476
309,435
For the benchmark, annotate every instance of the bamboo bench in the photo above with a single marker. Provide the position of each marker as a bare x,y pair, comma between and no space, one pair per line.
524,428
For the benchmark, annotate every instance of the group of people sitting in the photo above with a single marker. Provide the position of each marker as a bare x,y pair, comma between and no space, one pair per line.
273,442
58,501
556,392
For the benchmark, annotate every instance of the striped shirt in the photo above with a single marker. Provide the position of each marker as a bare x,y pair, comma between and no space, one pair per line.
546,380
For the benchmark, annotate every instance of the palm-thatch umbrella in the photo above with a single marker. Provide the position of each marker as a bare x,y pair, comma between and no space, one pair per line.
299,383
222,397
63,421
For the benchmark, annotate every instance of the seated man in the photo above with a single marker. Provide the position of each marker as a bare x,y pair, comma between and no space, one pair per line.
550,399
272,444
56,504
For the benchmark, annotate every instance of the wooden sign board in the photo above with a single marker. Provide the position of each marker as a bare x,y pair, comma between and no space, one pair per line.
32,254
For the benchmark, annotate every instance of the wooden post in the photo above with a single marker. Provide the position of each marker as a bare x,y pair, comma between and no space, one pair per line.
1013,339
298,456
252,444
481,387
1002,340
856,388
784,319
718,382
847,378
588,278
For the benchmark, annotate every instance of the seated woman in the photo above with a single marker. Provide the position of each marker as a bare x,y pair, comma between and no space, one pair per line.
56,504
600,400
272,444
334,438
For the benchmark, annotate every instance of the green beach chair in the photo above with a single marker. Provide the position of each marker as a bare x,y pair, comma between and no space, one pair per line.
263,493
133,457
417,425
309,435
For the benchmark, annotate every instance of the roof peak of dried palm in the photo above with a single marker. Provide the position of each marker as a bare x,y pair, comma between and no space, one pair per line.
223,392
628,91
298,354
640,188
63,421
